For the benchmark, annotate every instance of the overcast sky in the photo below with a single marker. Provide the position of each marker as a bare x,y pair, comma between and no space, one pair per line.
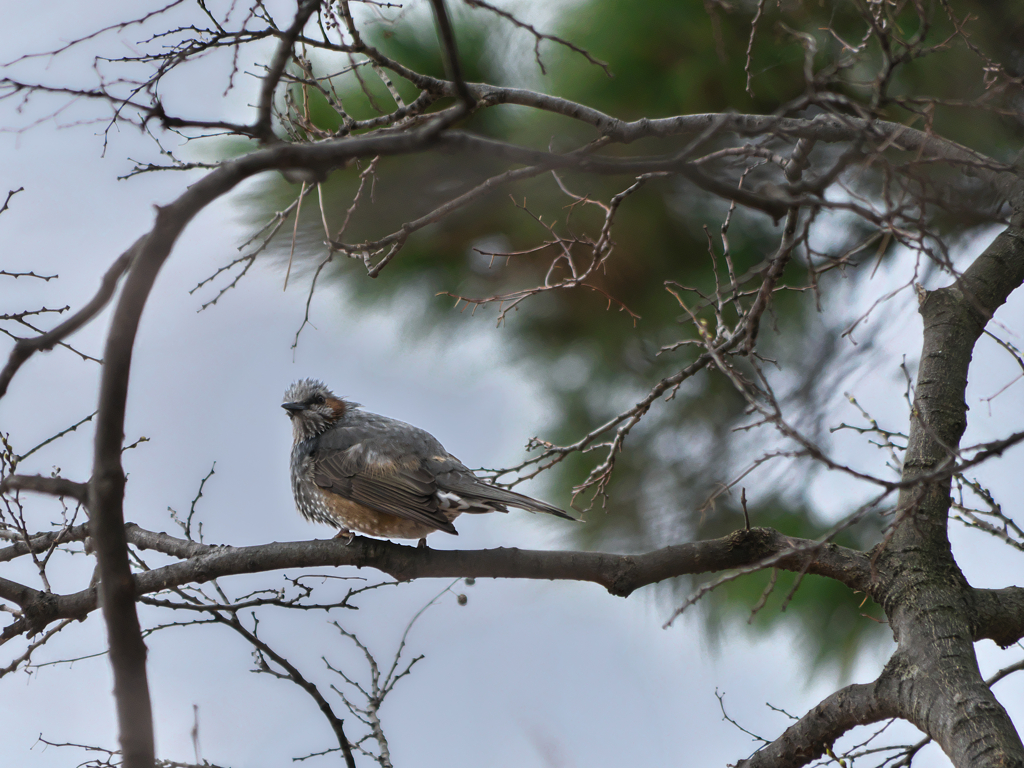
545,674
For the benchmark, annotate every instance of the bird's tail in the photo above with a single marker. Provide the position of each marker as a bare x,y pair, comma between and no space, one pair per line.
521,501
491,493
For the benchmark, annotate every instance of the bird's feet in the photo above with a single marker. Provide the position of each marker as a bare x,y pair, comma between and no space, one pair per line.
345,534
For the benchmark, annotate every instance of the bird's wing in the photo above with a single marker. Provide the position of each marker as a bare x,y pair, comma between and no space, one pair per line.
397,485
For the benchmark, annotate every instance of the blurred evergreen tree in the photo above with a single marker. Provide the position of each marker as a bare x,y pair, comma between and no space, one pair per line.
595,359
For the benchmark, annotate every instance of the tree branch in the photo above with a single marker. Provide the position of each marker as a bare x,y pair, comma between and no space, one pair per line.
263,127
621,575
25,348
21,594
828,128
812,734
55,486
922,590
43,542
999,615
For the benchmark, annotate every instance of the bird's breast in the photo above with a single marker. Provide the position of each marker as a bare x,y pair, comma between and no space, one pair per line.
355,517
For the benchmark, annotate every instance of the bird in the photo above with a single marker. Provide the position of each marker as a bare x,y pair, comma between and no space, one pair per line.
365,473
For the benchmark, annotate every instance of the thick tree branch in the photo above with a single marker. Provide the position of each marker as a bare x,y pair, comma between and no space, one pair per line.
163,542
54,486
928,601
43,542
808,738
21,594
619,574
999,615
828,128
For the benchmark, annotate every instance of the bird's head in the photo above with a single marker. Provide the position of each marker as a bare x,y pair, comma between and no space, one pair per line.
312,407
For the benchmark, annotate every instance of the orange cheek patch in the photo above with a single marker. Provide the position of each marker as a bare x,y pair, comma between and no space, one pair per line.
336,405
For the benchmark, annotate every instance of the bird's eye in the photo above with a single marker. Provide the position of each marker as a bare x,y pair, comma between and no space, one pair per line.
317,400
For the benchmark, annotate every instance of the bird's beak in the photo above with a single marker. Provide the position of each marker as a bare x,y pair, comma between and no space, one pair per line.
294,407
